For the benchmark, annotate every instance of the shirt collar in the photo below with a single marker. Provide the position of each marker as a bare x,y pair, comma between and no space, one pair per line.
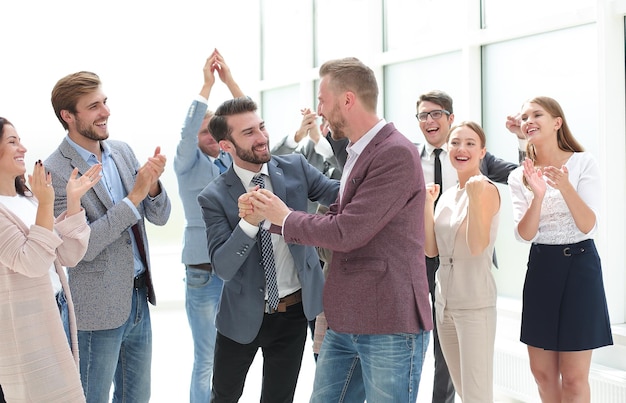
429,148
246,176
88,155
358,147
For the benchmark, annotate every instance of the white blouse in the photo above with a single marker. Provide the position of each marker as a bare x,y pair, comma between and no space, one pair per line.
556,224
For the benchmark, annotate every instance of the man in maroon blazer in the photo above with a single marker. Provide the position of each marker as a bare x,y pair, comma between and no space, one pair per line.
376,295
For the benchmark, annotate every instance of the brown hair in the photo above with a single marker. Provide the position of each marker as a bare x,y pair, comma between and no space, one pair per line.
473,126
437,97
564,137
218,125
350,74
69,89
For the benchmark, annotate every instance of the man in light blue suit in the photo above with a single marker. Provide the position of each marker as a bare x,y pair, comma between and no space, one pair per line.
198,161
250,314
112,285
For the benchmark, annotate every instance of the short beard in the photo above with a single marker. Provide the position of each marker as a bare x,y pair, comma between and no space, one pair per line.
249,156
89,132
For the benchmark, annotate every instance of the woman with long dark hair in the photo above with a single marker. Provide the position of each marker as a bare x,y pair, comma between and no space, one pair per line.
38,363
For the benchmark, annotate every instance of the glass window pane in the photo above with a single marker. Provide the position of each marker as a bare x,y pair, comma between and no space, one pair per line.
343,28
281,111
498,12
411,22
404,82
285,25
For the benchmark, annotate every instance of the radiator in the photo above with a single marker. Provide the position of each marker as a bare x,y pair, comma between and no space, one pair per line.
513,379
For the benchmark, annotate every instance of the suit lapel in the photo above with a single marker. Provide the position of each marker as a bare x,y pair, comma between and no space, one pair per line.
127,173
76,161
235,187
278,179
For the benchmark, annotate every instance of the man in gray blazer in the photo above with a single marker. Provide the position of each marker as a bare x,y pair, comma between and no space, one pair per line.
198,161
376,294
267,296
111,286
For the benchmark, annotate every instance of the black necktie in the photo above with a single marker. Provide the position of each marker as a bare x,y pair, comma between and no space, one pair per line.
267,254
438,178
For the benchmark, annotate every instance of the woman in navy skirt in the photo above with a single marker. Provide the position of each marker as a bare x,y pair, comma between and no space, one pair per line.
556,199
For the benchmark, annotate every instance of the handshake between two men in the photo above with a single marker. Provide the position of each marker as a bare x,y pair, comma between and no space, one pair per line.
261,204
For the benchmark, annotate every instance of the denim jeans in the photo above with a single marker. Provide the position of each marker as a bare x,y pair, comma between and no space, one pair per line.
65,314
202,297
122,356
390,366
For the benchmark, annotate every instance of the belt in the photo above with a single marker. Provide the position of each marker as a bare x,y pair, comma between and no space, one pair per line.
202,266
140,281
285,302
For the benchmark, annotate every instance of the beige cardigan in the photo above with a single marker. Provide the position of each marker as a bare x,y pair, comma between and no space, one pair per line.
36,364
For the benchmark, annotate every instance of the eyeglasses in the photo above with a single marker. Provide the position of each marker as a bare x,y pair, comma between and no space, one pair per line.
436,114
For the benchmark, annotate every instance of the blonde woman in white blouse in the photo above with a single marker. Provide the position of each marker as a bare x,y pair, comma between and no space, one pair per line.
556,200
37,362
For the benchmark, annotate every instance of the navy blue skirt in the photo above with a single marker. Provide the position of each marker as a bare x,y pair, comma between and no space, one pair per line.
564,302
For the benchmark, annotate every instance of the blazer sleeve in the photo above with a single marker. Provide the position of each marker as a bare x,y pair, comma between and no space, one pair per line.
496,169
381,190
187,152
229,246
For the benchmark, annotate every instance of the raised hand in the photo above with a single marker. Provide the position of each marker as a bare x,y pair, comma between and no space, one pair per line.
513,124
147,179
534,178
475,186
221,67
432,192
557,178
208,71
40,184
77,186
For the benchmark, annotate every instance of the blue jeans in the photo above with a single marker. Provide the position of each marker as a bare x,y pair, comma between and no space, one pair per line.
122,356
202,297
390,366
65,315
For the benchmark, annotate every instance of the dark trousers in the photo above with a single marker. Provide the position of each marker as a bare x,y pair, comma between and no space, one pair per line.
443,388
281,338
2,396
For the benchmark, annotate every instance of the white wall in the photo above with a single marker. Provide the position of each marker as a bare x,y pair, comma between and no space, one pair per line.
149,55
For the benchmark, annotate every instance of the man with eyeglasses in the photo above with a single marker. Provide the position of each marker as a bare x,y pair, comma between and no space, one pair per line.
435,116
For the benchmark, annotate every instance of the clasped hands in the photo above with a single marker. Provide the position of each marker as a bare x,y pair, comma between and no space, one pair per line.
260,204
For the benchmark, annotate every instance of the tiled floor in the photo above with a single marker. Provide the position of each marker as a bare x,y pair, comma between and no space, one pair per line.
173,349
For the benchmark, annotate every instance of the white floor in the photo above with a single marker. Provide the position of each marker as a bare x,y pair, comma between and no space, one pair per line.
173,349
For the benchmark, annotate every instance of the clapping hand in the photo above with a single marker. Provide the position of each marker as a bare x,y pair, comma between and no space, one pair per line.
534,178
77,186
40,183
